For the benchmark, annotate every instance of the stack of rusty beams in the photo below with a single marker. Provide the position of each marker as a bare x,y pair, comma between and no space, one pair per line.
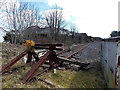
48,46
55,44
42,60
50,54
67,58
69,62
32,71
64,59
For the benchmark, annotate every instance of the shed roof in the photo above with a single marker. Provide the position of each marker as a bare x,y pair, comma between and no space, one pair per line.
114,39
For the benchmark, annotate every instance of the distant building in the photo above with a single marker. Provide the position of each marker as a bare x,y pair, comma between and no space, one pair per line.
96,38
82,37
64,32
38,34
41,35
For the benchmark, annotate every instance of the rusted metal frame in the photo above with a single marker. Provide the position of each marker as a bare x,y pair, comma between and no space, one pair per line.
69,56
53,61
52,47
29,59
35,56
32,71
37,47
48,46
17,58
37,44
30,54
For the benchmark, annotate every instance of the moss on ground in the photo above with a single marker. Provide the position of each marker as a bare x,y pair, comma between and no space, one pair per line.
72,79
66,79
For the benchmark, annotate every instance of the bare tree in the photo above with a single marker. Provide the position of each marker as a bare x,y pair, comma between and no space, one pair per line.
55,21
2,5
19,17
73,29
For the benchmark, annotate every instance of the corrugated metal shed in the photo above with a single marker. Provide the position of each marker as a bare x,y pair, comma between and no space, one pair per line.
109,56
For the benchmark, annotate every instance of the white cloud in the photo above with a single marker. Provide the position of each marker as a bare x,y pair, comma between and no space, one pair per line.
95,17
7,3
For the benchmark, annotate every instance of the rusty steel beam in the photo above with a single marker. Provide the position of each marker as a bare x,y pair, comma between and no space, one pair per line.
38,47
71,61
29,57
32,71
48,46
35,55
17,58
69,56
63,52
38,44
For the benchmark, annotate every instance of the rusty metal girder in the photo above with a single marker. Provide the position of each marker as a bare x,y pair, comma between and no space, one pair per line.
17,58
32,71
38,44
29,58
30,54
51,55
48,46
69,56
35,55
38,47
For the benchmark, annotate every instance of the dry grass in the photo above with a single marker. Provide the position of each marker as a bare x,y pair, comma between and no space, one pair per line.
62,79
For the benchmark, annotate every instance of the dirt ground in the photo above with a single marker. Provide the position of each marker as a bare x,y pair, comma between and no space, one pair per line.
91,53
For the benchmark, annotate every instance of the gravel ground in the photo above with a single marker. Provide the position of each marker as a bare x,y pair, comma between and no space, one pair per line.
73,49
90,54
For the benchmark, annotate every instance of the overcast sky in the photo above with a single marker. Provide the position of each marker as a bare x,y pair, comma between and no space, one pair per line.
95,17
